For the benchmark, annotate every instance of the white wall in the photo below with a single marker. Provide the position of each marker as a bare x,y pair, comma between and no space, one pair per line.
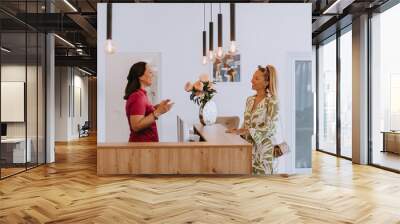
266,34
33,127
67,85
17,73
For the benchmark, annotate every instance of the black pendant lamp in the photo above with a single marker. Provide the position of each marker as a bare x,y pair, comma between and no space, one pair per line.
232,47
109,45
204,36
220,50
211,37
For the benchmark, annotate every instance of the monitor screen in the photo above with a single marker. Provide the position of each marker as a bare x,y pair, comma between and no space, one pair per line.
3,129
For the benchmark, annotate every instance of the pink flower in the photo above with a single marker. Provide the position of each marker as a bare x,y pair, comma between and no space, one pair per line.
198,86
204,77
188,87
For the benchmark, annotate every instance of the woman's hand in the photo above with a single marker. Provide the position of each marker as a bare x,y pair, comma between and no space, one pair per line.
163,107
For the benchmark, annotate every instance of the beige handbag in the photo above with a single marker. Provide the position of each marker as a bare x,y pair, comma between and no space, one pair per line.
280,149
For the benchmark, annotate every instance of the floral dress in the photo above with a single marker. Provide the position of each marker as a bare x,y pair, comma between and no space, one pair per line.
261,124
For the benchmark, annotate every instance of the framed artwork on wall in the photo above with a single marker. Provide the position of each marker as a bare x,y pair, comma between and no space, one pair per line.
227,69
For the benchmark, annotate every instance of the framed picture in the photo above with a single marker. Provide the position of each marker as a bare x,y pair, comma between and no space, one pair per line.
227,69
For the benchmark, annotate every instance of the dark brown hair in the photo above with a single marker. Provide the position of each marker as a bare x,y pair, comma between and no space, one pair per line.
136,71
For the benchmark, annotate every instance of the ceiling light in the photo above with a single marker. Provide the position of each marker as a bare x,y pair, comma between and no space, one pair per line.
84,71
211,36
204,61
337,7
70,5
110,49
232,47
5,50
220,50
65,41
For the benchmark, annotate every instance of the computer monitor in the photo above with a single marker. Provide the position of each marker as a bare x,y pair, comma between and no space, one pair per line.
179,128
182,130
3,130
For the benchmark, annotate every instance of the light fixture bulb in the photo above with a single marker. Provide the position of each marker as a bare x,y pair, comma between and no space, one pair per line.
211,55
204,60
220,52
232,47
109,46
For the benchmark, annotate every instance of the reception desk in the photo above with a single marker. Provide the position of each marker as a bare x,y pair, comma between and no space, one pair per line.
216,153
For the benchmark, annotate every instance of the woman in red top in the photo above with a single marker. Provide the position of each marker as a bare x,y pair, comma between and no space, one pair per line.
140,113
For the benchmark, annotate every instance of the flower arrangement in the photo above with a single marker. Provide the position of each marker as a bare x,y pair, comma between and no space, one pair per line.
202,90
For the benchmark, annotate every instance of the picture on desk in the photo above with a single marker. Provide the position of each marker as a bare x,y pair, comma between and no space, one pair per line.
227,69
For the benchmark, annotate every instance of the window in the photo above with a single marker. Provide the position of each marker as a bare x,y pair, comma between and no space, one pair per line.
385,89
327,97
346,75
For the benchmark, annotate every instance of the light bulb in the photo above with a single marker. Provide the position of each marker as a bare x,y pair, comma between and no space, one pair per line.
204,60
220,52
109,46
211,55
232,47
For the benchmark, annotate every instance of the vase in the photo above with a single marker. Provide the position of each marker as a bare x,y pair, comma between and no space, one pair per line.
208,113
201,118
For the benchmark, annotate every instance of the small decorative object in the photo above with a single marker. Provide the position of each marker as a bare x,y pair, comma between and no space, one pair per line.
202,91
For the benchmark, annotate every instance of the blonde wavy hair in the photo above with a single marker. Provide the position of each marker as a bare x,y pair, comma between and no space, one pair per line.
270,76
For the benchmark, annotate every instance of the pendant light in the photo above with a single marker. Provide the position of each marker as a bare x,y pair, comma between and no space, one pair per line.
211,30
232,47
220,50
109,45
204,36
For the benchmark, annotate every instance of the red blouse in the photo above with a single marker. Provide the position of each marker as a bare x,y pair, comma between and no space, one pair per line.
138,104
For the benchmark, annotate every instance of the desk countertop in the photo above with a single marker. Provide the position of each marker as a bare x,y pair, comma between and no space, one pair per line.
390,132
216,134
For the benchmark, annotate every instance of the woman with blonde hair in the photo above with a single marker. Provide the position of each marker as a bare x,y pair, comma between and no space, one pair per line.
260,119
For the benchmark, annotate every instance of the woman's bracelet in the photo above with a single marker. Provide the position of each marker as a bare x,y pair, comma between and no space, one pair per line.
155,116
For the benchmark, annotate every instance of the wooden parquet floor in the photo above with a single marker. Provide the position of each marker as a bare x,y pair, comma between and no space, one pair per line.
70,192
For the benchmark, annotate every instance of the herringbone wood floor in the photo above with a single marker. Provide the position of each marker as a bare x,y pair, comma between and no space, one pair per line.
70,192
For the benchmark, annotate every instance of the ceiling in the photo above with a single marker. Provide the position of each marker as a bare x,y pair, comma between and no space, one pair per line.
77,22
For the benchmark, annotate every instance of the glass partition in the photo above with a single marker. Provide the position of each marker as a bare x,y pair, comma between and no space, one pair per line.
304,113
13,94
22,88
385,89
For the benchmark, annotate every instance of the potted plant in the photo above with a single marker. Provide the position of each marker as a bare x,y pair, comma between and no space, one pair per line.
202,91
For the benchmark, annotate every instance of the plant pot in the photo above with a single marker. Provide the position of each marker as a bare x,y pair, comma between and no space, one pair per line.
201,117
208,113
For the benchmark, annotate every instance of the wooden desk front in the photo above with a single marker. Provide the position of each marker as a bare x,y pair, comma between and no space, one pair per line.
219,153
391,142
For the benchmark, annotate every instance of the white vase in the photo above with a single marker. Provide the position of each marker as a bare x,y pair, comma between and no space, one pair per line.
208,114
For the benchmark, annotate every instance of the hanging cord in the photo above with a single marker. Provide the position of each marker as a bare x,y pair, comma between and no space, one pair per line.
211,12
204,16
